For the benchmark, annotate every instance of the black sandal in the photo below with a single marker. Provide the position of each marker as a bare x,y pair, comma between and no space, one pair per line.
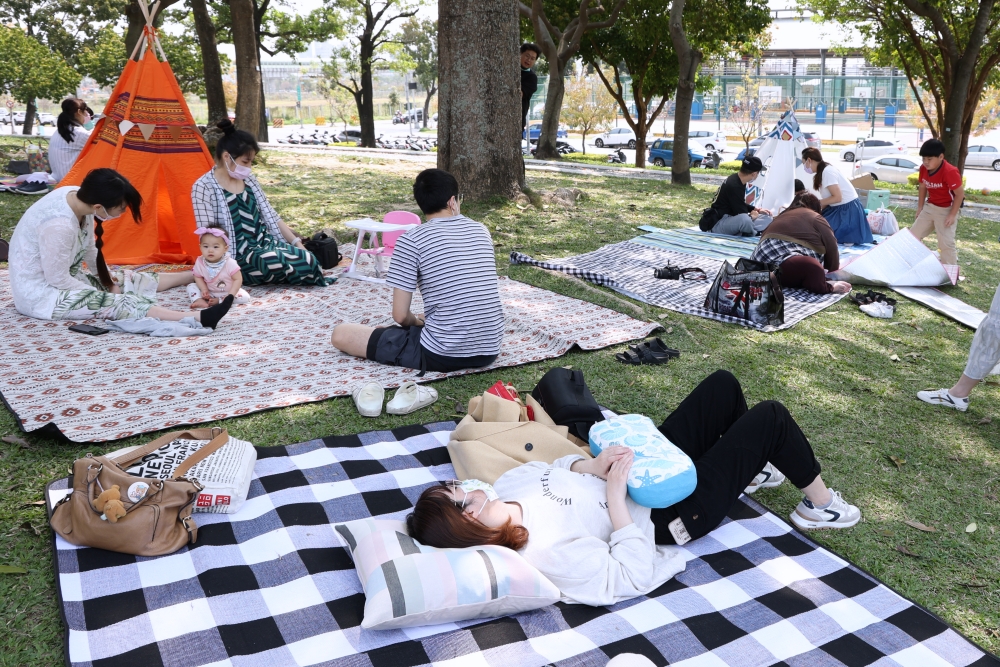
656,347
640,356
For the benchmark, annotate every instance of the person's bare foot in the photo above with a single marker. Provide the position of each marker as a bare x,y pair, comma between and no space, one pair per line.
839,286
199,304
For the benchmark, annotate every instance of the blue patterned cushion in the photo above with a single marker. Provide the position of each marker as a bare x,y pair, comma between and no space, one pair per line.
661,473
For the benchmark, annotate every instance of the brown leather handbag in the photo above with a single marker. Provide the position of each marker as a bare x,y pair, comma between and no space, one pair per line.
156,519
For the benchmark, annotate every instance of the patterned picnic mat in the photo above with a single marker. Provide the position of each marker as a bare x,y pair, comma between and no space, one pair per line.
272,352
693,241
271,586
627,267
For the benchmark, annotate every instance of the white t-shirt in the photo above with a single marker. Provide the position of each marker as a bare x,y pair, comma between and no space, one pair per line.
832,176
572,541
63,154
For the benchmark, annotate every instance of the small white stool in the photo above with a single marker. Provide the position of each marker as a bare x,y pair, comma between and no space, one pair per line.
367,226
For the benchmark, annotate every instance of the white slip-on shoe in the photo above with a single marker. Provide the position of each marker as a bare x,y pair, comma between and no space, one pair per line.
767,478
840,514
943,397
410,397
368,399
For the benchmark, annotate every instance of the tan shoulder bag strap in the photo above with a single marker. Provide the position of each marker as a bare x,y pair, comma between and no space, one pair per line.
194,434
217,442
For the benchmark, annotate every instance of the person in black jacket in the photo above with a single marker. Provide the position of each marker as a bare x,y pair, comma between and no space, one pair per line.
529,80
736,216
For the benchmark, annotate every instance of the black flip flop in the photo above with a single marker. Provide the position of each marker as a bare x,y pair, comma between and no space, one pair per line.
641,357
656,347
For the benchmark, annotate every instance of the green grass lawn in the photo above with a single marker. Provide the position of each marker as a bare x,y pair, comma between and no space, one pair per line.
833,371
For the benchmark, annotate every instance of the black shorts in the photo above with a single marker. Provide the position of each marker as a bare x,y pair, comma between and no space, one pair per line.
399,346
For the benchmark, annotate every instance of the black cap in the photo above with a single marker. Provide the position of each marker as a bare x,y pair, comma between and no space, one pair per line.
751,165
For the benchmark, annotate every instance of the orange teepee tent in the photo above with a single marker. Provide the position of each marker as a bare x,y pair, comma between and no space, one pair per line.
148,135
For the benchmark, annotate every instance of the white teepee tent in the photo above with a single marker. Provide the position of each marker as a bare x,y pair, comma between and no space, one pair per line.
781,154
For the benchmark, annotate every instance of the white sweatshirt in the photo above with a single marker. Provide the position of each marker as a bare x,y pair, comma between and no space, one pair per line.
571,539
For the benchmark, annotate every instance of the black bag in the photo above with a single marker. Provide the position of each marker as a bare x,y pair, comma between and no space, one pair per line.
749,291
325,249
565,396
709,218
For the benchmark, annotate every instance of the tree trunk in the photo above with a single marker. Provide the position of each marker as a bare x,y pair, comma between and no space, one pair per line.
366,106
689,59
262,130
247,67
641,130
479,102
210,58
29,117
427,102
550,116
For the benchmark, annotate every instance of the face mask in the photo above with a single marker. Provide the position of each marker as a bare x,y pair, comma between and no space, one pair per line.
107,217
470,485
239,172
807,169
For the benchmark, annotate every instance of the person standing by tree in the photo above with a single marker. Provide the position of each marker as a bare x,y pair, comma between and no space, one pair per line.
529,80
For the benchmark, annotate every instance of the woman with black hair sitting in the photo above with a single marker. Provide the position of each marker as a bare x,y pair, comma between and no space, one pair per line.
61,232
230,198
70,137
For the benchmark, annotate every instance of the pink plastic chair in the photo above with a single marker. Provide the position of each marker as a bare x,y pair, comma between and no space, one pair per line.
388,244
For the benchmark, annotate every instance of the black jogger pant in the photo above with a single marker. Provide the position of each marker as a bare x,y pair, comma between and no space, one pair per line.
729,446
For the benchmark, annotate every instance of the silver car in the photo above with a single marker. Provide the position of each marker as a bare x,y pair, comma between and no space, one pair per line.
891,169
983,156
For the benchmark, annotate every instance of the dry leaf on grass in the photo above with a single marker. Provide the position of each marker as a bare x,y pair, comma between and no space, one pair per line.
886,533
984,421
459,408
899,461
972,585
670,330
971,528
920,526
906,552
662,315
37,503
893,357
10,569
704,356
15,440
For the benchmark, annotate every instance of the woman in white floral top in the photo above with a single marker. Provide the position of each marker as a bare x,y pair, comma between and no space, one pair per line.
61,233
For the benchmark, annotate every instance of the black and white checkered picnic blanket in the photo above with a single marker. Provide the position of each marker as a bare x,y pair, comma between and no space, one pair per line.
270,586
627,267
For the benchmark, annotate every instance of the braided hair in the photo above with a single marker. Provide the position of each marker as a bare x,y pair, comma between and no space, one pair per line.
109,189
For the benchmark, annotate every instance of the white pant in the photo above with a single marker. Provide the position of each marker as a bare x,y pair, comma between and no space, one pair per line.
985,351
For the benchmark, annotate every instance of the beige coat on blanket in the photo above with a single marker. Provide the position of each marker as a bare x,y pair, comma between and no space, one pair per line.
496,436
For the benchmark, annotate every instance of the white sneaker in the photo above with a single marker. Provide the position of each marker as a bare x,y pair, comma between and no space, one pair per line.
767,478
368,399
879,309
943,397
410,397
840,514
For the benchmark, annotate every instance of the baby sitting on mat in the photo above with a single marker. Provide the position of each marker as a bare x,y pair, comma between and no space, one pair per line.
216,274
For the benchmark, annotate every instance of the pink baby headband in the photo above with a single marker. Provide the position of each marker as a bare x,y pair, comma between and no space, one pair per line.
214,231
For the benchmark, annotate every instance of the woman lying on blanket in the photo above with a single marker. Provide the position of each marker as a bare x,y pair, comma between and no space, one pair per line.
230,198
800,242
573,521
60,232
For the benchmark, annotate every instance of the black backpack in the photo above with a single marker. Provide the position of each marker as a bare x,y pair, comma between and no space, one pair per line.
565,396
325,249
709,218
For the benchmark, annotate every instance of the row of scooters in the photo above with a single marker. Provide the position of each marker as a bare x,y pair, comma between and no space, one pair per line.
317,138
407,143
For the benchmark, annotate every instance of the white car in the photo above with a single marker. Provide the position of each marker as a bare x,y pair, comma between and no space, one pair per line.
46,119
890,169
19,116
618,136
708,140
869,148
983,156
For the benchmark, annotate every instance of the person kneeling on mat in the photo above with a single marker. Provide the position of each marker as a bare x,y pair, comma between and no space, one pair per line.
801,243
573,521
450,258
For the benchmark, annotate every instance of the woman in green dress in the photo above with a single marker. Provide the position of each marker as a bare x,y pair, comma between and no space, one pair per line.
229,197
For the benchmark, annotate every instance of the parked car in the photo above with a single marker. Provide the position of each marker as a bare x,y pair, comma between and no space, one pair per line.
46,119
535,131
4,115
709,140
891,169
813,140
19,116
618,136
348,135
754,145
869,148
983,156
661,154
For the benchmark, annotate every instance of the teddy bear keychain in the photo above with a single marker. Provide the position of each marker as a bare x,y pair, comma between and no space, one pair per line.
111,504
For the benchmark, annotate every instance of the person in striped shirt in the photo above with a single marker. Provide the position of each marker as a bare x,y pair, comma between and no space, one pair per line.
450,259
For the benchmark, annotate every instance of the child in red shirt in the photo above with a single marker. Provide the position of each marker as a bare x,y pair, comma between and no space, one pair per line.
941,196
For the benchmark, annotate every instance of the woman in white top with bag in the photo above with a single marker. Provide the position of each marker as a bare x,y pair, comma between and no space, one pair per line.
70,137
839,200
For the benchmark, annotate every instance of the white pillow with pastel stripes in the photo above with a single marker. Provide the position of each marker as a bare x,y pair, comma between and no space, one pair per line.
409,584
